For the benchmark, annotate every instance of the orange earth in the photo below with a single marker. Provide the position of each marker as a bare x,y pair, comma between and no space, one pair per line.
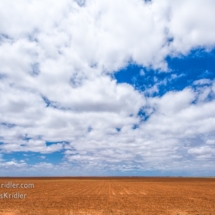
109,196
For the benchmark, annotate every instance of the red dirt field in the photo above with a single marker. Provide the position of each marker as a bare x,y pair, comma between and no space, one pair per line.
110,196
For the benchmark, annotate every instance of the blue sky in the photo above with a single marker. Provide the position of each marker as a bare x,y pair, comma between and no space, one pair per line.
183,72
107,88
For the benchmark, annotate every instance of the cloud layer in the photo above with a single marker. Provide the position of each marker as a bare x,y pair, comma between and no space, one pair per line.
56,63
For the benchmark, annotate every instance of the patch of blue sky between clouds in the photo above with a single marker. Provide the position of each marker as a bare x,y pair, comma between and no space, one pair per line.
183,72
29,157
32,158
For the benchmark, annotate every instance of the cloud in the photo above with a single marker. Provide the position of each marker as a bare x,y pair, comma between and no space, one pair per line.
196,26
116,32
176,129
55,83
202,82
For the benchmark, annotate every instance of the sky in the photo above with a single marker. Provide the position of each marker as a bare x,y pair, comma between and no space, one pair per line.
104,88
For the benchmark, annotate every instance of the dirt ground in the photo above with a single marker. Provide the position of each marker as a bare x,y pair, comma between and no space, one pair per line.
110,196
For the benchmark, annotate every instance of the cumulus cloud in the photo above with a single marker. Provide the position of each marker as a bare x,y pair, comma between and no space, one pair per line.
56,61
196,26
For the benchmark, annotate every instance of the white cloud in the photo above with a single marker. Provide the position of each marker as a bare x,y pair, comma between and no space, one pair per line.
188,28
12,164
202,81
115,32
210,142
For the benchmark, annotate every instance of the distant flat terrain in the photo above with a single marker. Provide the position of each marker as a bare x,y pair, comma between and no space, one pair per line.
107,196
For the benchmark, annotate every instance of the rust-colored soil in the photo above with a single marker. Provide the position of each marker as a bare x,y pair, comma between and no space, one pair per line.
109,196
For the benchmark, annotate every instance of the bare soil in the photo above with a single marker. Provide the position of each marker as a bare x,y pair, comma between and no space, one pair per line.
111,196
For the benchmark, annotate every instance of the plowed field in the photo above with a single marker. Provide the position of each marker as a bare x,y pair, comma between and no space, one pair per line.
109,196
